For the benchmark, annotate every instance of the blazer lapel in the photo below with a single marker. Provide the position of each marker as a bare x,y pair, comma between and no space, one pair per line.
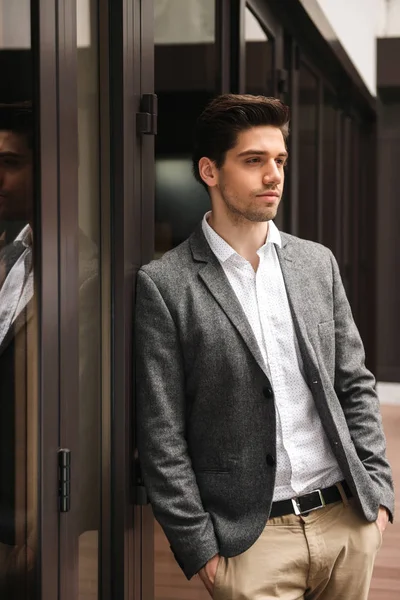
213,276
300,298
21,321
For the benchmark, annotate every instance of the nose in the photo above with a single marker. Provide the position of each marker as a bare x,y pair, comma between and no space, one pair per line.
272,173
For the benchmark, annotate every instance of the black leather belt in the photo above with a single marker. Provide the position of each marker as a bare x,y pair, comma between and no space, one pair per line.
302,505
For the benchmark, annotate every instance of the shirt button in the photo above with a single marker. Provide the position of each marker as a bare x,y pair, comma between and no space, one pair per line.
267,391
270,460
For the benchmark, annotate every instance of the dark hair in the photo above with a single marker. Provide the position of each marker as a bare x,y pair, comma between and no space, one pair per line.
18,117
226,116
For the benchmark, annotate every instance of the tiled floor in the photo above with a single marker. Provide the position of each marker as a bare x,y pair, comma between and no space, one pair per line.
172,585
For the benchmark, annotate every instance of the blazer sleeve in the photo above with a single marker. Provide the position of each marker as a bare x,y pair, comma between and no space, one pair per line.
165,462
355,388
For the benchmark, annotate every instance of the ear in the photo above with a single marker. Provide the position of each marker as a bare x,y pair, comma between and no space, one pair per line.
208,171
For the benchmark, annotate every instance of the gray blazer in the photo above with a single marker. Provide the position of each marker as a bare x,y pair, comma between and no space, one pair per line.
205,410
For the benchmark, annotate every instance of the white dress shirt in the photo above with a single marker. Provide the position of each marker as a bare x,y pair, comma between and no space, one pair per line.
303,456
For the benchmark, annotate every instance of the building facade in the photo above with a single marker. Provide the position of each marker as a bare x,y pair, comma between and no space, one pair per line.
97,103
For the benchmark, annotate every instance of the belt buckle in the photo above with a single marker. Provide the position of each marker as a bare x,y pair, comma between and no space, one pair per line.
297,508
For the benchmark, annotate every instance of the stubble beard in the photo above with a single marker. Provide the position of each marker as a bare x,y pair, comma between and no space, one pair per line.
254,214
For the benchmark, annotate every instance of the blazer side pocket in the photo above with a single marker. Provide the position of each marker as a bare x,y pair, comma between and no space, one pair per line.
216,470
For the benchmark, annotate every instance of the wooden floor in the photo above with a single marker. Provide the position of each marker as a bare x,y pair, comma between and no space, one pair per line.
170,584
386,580
88,565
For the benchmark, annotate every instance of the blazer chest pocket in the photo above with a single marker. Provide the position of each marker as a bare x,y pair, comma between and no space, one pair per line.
326,338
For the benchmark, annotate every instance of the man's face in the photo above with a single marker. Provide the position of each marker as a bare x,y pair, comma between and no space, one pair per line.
250,182
16,192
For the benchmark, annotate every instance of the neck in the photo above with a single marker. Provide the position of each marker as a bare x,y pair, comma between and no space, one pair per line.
245,237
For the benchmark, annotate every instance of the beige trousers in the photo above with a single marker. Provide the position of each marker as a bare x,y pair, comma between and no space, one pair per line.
327,555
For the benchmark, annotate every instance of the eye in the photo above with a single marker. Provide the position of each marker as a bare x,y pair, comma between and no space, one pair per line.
281,162
253,161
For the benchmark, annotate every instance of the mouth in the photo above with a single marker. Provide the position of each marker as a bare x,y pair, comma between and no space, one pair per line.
270,195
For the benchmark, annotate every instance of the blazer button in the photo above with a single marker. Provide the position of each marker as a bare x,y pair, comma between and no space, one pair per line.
268,393
270,460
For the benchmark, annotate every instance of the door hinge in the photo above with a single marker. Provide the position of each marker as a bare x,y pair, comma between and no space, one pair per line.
146,119
141,497
64,479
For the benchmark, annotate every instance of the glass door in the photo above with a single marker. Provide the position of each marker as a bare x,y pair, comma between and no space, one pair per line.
106,227
76,165
29,315
87,405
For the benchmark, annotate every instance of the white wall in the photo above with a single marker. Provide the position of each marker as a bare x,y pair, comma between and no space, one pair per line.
184,21
193,22
355,24
15,24
389,22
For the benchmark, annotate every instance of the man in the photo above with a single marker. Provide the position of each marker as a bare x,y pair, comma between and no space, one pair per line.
259,429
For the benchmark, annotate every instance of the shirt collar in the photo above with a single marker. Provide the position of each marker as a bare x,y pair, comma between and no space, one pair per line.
25,236
223,251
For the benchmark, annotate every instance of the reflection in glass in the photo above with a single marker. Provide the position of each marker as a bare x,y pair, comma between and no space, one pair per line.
89,302
259,57
18,327
185,80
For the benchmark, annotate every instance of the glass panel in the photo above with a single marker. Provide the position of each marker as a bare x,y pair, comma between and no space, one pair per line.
185,76
185,80
19,474
308,172
259,58
89,301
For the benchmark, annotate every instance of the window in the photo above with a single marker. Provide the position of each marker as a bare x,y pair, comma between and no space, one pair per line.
185,80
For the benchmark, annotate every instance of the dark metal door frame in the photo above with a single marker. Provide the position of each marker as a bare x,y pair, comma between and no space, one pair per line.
132,218
46,266
105,534
68,282
145,149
